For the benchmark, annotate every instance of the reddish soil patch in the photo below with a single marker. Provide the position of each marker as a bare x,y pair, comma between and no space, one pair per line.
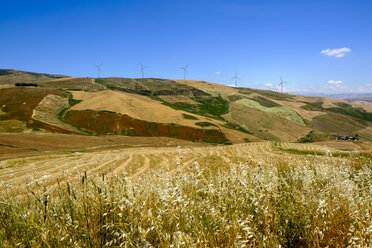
19,103
103,122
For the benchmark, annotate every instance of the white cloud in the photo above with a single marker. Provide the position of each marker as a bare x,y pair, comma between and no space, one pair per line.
336,83
231,85
268,85
337,52
217,73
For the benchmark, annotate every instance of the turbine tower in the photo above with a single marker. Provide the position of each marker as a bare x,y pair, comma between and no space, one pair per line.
281,84
236,78
184,71
99,69
143,69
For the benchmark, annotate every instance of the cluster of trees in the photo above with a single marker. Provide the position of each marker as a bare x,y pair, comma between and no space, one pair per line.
347,138
27,84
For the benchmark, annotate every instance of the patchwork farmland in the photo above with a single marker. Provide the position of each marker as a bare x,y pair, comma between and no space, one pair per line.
108,162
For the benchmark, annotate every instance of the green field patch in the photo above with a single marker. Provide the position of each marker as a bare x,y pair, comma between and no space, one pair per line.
150,86
282,112
189,117
341,154
210,106
342,108
205,124
347,109
237,127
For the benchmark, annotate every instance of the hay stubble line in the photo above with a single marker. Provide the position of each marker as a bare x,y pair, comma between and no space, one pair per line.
134,162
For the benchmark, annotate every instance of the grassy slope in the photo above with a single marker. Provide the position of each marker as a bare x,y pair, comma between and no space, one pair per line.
265,125
72,84
282,112
337,123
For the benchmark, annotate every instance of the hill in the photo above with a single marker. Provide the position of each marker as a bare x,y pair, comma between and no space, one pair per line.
182,109
357,98
10,77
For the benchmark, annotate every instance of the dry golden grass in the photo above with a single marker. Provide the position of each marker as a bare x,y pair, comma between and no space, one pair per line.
248,195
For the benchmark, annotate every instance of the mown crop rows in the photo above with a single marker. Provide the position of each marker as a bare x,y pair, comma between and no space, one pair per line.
251,195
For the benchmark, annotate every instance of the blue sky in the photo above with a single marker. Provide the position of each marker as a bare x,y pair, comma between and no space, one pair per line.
261,40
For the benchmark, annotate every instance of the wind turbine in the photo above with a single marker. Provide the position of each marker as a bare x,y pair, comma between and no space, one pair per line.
236,79
184,71
143,69
281,84
99,69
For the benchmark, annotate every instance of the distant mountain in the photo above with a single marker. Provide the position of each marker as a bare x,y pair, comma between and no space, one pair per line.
357,98
183,109
350,95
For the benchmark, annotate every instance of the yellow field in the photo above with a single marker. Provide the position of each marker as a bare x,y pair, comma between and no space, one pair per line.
46,168
263,194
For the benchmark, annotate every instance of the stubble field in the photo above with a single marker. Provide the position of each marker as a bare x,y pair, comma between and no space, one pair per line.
263,194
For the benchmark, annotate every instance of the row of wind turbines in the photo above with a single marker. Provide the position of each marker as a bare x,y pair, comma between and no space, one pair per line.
182,68
278,87
142,70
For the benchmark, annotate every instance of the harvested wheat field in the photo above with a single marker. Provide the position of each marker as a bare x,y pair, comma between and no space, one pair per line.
264,194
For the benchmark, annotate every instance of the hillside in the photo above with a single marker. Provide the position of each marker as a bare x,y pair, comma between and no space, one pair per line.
10,77
356,98
181,109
